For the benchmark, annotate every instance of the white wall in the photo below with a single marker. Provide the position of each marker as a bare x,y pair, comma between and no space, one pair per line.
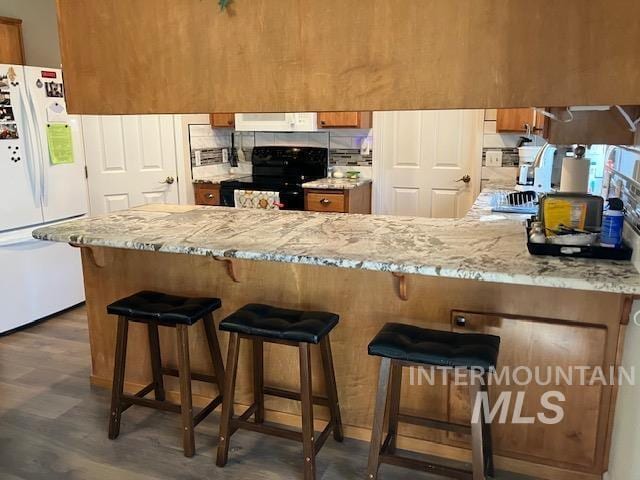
39,29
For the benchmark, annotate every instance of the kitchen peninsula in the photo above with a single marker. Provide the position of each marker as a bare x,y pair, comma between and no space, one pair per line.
468,275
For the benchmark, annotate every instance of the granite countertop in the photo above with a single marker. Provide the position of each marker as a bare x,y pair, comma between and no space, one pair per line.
336,183
216,179
483,246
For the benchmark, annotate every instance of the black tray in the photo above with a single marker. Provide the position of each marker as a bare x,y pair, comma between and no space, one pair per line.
578,251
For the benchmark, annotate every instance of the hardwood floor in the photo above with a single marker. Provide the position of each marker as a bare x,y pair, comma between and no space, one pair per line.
53,425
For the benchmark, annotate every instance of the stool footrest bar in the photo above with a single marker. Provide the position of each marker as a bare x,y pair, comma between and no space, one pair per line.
172,372
147,402
267,428
425,422
206,410
282,393
248,412
140,394
319,442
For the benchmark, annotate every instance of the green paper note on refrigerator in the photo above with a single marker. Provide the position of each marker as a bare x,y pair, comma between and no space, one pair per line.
60,144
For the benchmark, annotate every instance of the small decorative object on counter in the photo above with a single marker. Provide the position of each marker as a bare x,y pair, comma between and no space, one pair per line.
353,175
612,224
338,174
537,233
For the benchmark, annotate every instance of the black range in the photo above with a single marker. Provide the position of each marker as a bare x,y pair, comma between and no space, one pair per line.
282,170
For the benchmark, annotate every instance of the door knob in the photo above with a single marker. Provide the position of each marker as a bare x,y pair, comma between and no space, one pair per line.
465,179
169,180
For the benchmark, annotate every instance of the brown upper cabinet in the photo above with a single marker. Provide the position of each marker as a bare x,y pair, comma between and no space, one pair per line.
519,120
607,127
485,61
222,120
11,46
585,126
345,119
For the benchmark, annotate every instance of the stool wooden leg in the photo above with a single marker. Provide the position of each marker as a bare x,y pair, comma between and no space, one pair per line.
394,404
486,436
184,369
332,390
378,419
258,380
227,402
308,435
214,350
118,377
477,441
156,360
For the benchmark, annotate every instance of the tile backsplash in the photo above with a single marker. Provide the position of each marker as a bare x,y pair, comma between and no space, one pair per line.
206,144
622,180
349,157
510,157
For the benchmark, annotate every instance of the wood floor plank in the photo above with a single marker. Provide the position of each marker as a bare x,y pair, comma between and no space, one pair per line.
53,426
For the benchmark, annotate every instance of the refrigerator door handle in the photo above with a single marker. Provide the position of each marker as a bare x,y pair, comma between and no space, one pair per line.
31,155
40,149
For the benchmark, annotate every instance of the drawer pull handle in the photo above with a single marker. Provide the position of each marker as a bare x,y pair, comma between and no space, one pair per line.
461,321
209,195
325,201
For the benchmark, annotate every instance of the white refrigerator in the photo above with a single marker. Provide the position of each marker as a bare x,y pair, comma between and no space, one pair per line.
43,182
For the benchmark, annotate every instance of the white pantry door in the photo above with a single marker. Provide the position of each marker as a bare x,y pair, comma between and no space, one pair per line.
131,160
421,159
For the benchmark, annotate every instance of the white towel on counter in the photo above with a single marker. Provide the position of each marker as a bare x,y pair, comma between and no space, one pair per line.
256,199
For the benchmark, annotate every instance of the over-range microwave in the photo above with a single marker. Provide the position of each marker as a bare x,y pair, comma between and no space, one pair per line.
276,122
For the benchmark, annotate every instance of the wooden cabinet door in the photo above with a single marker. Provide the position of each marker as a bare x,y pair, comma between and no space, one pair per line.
327,201
207,194
222,120
514,120
11,47
542,344
344,120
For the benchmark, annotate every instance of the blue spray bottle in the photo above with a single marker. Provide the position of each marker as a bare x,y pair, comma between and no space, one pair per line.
612,224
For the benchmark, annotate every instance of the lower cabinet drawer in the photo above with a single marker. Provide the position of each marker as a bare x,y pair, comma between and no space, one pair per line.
207,194
325,202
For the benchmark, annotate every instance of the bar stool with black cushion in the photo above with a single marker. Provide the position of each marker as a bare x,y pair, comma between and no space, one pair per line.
264,323
159,309
401,346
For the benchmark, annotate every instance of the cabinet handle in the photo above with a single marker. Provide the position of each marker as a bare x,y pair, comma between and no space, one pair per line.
325,201
460,321
323,122
209,195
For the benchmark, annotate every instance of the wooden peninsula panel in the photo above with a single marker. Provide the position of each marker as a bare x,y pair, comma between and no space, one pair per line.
537,325
346,55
